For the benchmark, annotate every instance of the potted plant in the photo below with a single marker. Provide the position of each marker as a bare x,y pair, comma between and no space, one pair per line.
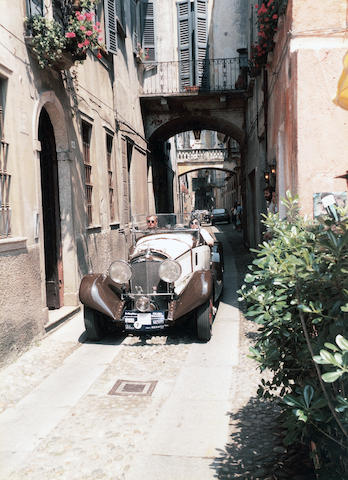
59,45
141,55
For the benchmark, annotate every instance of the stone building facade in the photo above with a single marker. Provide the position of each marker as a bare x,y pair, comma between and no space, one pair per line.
297,137
73,167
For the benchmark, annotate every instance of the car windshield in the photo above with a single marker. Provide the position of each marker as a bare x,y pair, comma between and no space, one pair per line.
161,221
219,210
169,223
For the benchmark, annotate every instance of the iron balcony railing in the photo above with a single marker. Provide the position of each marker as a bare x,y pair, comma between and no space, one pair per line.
211,75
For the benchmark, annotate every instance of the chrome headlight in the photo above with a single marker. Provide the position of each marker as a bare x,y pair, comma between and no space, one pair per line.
169,271
143,304
120,271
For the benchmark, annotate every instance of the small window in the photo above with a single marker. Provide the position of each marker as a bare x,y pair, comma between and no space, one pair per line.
111,175
120,17
34,7
86,142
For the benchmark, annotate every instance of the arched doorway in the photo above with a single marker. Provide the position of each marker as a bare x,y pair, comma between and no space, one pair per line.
50,213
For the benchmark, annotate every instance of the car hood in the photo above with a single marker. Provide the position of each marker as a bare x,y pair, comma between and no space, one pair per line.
173,245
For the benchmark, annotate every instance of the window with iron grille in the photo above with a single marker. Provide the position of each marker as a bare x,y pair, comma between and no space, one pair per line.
86,141
5,177
111,179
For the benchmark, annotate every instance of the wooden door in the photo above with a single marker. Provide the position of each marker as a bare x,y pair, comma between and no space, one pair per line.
51,213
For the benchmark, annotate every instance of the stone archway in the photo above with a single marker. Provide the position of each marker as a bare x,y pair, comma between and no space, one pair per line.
174,124
55,111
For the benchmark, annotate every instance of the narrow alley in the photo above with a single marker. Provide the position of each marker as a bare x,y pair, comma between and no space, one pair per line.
183,425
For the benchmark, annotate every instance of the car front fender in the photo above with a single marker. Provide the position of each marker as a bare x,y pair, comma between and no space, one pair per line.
198,290
100,293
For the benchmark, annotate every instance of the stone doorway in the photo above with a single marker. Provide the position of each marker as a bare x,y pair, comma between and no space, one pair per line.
50,213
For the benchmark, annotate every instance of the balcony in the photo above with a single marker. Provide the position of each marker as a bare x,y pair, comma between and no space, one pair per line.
212,75
202,155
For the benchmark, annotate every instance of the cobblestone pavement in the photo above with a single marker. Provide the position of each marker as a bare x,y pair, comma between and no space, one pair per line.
81,432
256,449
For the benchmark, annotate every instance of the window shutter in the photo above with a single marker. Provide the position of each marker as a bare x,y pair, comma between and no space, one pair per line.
201,42
110,26
185,42
148,30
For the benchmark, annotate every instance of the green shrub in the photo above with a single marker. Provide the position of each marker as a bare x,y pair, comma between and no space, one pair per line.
297,291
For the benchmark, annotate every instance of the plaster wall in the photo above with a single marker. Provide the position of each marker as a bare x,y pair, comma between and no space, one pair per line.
322,125
86,92
228,30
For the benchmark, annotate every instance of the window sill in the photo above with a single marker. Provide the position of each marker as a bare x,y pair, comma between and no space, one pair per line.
93,229
12,243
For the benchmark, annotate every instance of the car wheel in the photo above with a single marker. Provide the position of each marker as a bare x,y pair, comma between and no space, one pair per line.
204,319
93,324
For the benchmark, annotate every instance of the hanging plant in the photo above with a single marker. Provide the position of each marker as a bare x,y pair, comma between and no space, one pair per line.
267,21
59,45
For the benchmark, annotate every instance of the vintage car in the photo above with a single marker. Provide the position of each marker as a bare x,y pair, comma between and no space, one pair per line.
170,276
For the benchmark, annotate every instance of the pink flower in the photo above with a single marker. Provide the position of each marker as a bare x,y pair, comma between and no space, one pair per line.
100,39
86,42
99,55
83,28
275,16
89,33
80,45
89,16
95,28
70,35
256,6
98,24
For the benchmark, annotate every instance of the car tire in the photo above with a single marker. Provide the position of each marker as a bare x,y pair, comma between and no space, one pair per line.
93,324
204,320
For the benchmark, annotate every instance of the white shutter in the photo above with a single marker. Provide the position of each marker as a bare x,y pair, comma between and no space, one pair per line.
185,42
110,26
201,42
148,30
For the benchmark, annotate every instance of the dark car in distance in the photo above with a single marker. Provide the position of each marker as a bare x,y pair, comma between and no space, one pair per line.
220,215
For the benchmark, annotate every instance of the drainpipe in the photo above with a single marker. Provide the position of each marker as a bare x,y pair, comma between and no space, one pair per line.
265,108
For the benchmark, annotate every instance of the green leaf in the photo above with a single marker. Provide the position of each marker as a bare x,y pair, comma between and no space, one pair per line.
327,356
249,278
330,377
345,359
308,393
292,402
331,346
320,360
338,358
300,414
342,342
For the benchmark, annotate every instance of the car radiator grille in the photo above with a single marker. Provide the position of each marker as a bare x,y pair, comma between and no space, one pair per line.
145,276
